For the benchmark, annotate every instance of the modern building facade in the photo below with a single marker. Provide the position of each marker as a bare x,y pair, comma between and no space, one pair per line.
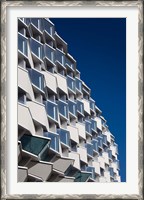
62,135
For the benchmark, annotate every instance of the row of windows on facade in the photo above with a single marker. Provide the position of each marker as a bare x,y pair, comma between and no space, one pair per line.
29,144
45,51
65,66
44,33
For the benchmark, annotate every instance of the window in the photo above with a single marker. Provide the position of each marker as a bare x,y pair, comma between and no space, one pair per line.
63,108
51,109
21,98
22,44
37,48
37,78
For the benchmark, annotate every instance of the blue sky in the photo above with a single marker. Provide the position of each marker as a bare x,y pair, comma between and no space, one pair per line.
99,47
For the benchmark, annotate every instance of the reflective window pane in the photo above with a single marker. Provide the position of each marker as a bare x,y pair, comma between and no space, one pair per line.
33,144
69,63
72,107
88,127
79,85
63,108
64,136
71,83
80,107
37,48
37,78
49,53
22,44
60,57
51,109
54,143
89,149
95,145
92,170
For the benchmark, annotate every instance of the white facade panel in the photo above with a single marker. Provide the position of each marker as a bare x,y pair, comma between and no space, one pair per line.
107,176
101,161
61,82
96,165
25,118
76,157
50,81
102,179
38,113
108,134
106,157
24,82
113,148
86,105
81,130
73,133
99,123
114,166
83,153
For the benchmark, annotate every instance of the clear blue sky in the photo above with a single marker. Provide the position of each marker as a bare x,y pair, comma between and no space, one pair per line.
99,47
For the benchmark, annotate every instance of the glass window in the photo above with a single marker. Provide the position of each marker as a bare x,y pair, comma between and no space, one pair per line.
80,107
105,139
37,78
93,125
51,109
54,143
71,83
48,27
49,53
64,136
81,177
37,22
37,48
72,107
89,149
88,127
33,144
110,153
79,84
92,170
92,105
95,145
60,57
100,142
22,98
22,44
63,108
111,171
69,63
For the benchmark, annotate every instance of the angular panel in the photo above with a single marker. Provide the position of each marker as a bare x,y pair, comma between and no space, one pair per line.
40,169
73,133
25,118
62,83
50,81
76,157
86,105
24,82
38,113
81,129
22,174
83,153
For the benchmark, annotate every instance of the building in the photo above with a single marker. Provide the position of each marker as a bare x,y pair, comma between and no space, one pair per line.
62,135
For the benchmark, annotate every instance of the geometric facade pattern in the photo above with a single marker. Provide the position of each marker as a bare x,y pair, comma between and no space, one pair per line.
62,135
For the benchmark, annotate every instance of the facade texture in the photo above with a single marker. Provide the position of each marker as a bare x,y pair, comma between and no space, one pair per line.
62,135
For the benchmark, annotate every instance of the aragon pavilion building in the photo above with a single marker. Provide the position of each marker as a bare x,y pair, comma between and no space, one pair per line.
62,135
